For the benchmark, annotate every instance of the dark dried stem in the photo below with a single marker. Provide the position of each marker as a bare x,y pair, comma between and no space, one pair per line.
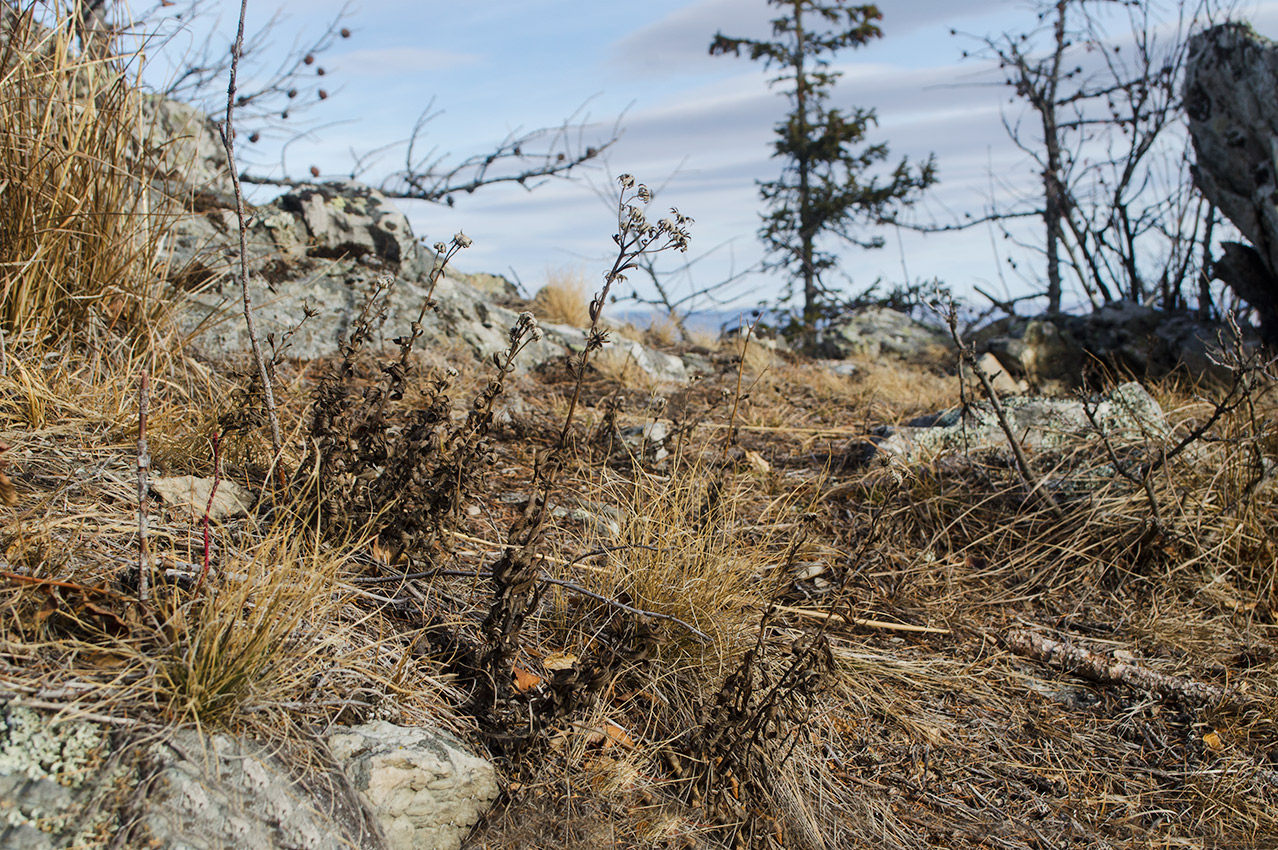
228,142
968,356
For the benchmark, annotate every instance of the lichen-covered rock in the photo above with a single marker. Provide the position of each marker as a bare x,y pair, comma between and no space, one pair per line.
347,219
324,248
48,774
1061,352
182,145
425,788
877,332
218,792
1042,424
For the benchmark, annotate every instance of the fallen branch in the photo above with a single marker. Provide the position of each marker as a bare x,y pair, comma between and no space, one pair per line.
144,465
857,621
576,588
1112,671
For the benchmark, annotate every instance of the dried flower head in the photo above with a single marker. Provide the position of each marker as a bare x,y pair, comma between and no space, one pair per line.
461,240
626,181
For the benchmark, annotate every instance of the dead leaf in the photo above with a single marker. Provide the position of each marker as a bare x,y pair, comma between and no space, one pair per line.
1213,740
758,462
559,661
525,681
617,736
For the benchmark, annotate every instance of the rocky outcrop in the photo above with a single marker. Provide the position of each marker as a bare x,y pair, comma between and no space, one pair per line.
875,332
1231,74
74,783
323,247
1060,352
1042,424
183,150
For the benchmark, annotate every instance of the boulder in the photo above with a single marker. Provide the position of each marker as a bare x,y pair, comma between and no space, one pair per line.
184,148
1060,352
425,788
207,792
48,792
67,782
1042,424
1231,74
875,332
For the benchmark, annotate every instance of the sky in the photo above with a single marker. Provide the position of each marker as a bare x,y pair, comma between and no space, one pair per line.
696,127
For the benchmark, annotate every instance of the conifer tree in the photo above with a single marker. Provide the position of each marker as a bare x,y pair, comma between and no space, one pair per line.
826,187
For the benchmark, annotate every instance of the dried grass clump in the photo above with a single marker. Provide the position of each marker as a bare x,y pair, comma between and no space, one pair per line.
564,299
262,634
80,229
685,550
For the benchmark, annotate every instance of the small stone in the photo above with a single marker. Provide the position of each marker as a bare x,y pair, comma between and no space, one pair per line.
230,501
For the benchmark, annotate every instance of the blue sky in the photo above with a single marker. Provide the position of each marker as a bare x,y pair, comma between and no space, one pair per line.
699,125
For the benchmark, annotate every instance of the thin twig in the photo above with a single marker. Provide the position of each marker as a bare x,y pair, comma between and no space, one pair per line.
576,588
228,142
208,508
858,621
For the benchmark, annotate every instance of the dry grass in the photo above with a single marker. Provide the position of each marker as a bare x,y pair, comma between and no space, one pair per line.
924,730
564,299
80,230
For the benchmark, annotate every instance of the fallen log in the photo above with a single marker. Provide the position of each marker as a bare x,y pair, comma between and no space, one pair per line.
1112,671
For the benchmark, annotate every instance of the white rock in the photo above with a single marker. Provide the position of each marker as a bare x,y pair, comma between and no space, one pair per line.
426,790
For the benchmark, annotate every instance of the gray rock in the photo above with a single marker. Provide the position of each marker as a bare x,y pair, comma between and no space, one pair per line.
877,332
184,147
47,780
218,793
324,247
68,783
1058,352
346,219
426,790
1042,424
647,441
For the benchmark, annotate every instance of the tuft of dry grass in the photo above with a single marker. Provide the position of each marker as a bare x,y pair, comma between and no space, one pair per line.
564,299
261,634
80,227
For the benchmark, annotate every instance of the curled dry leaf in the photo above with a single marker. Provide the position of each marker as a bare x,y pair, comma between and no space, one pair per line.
525,681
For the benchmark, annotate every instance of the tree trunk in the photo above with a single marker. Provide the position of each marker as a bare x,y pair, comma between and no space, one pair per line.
810,295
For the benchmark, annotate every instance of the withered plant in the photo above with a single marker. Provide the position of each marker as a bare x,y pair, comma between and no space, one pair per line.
515,574
401,476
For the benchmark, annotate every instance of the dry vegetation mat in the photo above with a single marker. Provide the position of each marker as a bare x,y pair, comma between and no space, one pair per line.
709,615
